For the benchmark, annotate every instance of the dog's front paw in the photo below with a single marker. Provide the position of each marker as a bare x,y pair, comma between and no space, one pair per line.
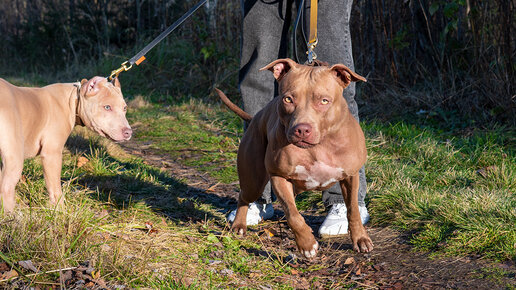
239,228
308,246
363,244
312,252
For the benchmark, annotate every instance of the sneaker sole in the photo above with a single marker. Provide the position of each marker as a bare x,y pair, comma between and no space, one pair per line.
328,236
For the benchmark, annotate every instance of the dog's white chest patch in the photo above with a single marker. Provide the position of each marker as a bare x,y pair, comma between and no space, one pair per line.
318,175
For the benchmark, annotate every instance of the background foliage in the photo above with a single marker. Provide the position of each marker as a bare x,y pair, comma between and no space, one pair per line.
425,56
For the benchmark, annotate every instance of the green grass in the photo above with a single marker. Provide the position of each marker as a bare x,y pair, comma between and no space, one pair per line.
456,193
203,136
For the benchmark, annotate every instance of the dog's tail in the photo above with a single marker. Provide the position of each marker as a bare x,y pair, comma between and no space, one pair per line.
241,113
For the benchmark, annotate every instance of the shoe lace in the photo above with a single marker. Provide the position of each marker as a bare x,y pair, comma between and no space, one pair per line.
338,209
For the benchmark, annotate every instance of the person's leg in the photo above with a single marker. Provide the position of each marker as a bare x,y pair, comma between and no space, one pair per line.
264,39
334,46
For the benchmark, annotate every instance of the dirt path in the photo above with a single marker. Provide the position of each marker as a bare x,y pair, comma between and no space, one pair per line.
393,264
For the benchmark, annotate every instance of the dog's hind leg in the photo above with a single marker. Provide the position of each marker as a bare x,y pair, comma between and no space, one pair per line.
252,175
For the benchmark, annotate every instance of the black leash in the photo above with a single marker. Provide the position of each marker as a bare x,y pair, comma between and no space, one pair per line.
140,56
310,45
299,16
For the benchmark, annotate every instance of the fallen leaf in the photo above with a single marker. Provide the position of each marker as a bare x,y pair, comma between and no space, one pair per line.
294,271
95,274
150,228
89,285
81,161
349,261
358,272
28,266
9,275
268,233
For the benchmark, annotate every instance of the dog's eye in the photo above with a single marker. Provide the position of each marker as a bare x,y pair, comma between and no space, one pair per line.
288,100
325,101
107,107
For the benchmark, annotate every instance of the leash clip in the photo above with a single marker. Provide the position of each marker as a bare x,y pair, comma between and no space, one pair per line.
116,72
311,51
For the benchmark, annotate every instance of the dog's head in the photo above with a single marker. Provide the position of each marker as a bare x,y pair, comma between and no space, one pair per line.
102,108
311,104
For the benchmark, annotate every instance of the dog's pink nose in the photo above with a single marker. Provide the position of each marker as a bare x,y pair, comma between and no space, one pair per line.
127,132
302,130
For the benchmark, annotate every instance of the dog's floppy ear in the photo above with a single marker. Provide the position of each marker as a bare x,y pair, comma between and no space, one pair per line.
345,75
116,82
280,67
92,86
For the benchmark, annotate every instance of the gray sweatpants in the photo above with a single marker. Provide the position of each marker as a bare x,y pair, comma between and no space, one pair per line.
265,37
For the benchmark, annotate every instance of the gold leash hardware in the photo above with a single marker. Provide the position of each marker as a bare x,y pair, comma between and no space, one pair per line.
116,72
311,51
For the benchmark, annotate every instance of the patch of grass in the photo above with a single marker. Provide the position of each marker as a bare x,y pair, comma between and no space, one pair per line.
455,192
496,275
197,134
309,201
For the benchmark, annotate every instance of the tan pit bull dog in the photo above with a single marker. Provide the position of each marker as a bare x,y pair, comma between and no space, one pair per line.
304,139
38,121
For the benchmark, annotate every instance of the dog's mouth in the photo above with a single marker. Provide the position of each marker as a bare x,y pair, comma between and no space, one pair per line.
104,134
303,144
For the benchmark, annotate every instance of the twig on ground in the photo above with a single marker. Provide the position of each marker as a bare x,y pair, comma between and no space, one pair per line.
41,273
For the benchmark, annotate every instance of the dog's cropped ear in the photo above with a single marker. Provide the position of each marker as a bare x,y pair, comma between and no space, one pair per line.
345,75
280,67
92,86
116,82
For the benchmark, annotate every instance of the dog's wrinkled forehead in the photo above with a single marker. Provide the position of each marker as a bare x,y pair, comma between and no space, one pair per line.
309,80
282,67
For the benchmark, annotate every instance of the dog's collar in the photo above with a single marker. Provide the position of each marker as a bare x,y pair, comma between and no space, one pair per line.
78,120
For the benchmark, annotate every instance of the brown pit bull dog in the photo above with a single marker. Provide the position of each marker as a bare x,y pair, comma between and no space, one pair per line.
38,121
304,139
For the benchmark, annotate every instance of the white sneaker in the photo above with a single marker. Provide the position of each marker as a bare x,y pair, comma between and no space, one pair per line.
336,222
256,213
